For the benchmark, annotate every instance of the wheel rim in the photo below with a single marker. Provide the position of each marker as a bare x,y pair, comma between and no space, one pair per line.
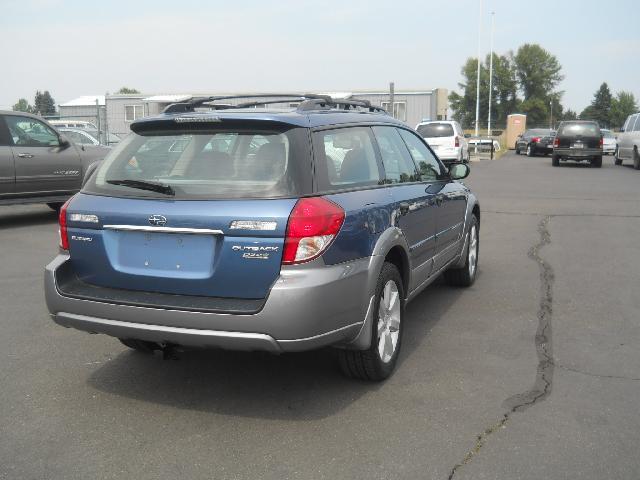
473,251
388,321
529,150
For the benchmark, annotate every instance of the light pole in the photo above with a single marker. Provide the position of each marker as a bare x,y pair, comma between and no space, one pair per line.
551,115
490,75
478,80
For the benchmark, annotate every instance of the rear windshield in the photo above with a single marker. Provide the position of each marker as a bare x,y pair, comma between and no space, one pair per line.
584,129
197,165
537,132
431,130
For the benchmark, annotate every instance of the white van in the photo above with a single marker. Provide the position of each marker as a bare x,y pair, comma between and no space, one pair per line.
629,142
446,138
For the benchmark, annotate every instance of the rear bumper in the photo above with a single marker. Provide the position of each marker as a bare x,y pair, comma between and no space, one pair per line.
310,306
577,153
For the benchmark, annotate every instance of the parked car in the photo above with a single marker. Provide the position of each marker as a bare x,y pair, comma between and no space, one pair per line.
629,142
536,141
86,136
68,123
608,142
38,164
578,140
264,230
447,140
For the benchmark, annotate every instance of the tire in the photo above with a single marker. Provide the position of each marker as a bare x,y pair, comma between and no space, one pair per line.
55,206
530,151
555,160
465,276
139,345
387,327
616,160
636,159
517,150
596,162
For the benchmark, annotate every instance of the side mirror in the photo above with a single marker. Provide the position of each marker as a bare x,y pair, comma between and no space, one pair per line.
458,171
63,141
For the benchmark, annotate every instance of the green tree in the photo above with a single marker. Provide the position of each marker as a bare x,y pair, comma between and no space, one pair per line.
127,91
568,114
504,92
600,108
44,104
622,105
538,71
23,106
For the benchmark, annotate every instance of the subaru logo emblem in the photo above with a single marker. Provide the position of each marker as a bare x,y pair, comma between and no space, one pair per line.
158,220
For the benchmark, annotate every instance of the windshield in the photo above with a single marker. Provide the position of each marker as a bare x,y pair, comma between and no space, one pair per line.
432,130
230,164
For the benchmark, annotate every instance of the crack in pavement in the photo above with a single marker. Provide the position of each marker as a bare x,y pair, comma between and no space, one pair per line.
590,374
541,388
540,214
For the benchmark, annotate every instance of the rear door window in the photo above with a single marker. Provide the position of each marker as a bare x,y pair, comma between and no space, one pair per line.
345,158
434,130
428,165
396,160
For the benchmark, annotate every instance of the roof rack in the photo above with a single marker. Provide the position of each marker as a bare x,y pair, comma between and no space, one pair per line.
308,102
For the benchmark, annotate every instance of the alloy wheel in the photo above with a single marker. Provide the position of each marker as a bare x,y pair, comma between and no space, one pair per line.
473,251
388,321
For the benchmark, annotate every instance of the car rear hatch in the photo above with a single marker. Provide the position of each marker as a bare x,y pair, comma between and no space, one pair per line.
192,211
438,135
578,136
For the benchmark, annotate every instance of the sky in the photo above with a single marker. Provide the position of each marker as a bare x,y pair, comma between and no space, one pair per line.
74,48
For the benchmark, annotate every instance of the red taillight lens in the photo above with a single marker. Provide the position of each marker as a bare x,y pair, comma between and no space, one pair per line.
601,142
457,144
556,142
313,224
535,139
62,222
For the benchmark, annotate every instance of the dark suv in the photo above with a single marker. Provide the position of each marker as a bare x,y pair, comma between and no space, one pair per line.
256,229
578,140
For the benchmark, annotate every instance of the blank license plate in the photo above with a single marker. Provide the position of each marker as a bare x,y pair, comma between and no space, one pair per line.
577,145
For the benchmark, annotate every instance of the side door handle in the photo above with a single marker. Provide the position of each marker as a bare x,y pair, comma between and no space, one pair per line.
404,208
25,155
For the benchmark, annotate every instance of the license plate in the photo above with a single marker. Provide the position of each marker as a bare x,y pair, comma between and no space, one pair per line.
577,145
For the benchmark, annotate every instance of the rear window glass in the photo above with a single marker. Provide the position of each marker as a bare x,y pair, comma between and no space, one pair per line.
197,165
346,158
431,130
573,129
538,132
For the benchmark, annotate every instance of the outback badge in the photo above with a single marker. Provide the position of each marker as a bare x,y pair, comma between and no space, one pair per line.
157,220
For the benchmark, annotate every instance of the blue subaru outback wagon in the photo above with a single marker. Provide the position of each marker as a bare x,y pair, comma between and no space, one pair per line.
231,226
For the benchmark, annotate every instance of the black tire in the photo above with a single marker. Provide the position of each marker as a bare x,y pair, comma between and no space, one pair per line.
55,206
596,162
531,151
465,276
517,150
555,160
140,345
368,364
636,159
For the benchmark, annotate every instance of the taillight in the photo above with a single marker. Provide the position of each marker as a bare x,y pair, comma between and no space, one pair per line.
535,139
62,222
556,142
313,224
457,144
601,142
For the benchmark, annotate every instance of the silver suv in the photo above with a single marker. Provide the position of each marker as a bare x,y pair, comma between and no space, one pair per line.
629,142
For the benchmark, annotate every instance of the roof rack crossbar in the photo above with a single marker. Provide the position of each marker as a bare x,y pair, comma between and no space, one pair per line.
308,102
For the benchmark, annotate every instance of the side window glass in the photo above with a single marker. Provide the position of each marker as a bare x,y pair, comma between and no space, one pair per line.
636,126
428,165
29,132
398,165
75,137
85,140
345,158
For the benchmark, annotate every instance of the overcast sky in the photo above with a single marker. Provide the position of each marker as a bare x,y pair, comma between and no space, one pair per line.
74,48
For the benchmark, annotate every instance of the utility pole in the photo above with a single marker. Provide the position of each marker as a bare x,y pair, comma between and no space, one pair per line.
391,98
490,76
478,81
551,115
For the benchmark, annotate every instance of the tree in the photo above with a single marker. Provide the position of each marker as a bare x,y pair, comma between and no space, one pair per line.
600,108
44,104
127,91
504,91
537,70
622,105
568,115
23,106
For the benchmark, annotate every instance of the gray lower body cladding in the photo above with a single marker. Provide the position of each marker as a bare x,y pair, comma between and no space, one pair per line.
309,306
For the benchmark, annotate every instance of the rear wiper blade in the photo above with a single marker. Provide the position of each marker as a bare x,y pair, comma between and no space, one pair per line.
145,185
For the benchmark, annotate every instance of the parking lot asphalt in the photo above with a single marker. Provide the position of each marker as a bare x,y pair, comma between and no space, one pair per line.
534,372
